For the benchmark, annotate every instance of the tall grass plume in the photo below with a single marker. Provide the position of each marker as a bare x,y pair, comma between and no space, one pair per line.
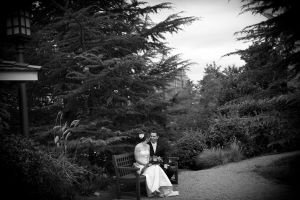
219,156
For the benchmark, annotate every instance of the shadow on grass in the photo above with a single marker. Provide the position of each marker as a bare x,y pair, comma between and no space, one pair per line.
283,171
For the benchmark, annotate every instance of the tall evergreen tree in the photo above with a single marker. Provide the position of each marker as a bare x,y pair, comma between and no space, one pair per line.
98,59
279,31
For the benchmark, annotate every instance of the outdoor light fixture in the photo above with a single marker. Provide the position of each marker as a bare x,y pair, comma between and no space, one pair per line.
18,25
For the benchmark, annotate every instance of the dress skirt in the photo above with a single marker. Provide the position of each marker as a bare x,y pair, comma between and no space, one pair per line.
157,181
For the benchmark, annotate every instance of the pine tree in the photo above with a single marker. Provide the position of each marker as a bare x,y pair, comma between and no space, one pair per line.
105,60
279,31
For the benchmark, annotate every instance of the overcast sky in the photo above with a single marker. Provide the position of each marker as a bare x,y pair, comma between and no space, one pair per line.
209,38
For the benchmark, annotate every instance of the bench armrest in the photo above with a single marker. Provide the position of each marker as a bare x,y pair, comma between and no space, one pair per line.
173,158
174,161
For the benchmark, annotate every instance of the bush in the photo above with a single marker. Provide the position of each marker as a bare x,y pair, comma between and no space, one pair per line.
188,147
263,125
217,156
101,156
256,133
93,180
209,158
27,172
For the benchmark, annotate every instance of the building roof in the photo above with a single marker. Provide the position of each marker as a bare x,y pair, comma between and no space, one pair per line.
12,66
15,71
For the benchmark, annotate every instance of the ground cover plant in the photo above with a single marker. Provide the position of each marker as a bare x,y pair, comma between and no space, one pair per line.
35,174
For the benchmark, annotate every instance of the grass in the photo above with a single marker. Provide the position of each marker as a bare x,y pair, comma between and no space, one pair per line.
285,171
217,156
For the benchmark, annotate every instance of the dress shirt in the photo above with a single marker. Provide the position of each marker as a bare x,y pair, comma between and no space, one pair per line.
154,145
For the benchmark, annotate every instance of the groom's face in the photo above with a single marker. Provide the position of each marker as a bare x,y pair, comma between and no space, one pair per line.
153,137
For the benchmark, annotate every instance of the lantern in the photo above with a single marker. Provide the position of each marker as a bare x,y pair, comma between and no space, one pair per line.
18,25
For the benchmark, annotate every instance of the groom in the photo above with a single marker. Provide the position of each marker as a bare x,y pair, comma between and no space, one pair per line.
159,148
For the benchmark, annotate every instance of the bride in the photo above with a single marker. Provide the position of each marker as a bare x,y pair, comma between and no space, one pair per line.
157,182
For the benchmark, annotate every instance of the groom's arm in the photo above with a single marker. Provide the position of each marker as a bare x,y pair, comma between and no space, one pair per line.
164,153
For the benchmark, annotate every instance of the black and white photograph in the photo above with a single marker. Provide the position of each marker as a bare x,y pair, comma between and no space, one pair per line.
150,99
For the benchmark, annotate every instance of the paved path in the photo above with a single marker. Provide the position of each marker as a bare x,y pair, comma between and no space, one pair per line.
234,181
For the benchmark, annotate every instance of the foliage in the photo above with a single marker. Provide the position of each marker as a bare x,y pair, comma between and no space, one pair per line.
105,63
97,59
62,133
257,103
278,31
218,156
90,149
188,147
210,90
93,152
34,173
93,180
182,111
4,114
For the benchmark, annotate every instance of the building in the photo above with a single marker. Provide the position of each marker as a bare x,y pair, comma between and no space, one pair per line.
177,85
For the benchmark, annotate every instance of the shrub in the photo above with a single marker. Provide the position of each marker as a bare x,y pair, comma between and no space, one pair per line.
217,156
256,133
27,172
188,147
234,153
262,125
101,156
93,180
209,158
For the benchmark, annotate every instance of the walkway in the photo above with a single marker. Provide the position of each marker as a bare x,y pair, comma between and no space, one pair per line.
234,181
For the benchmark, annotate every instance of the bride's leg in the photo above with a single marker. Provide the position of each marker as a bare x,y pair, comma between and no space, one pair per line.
149,193
152,178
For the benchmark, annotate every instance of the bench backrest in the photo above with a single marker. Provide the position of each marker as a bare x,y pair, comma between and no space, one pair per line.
122,160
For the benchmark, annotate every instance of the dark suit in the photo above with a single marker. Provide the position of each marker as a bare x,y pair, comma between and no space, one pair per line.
162,151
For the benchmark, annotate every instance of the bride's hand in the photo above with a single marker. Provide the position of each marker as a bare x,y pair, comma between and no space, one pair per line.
159,159
148,165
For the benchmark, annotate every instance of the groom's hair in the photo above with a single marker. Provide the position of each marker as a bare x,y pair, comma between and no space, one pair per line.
154,132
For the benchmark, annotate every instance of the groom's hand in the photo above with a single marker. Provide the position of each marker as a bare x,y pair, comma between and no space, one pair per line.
159,159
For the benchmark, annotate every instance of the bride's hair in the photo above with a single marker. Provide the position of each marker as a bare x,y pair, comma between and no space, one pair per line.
141,137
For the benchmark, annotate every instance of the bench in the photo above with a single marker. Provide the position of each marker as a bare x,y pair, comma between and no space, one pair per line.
126,173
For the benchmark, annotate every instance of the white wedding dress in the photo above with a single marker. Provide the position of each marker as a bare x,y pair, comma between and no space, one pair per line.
156,179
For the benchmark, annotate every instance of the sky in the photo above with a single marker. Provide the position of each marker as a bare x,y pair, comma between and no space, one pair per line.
210,37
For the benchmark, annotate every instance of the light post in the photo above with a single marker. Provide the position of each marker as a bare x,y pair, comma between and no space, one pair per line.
18,31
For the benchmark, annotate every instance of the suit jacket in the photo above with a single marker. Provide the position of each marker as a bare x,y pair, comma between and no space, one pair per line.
161,149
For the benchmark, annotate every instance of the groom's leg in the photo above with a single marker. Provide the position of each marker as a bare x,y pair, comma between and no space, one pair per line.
169,171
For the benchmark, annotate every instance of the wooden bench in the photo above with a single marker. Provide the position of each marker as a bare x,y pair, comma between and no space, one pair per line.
126,173
174,161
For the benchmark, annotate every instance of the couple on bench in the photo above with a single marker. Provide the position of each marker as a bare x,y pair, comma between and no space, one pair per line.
150,157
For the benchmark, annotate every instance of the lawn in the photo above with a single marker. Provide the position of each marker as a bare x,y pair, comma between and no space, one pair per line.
283,171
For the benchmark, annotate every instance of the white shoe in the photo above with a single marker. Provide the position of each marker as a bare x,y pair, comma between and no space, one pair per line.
173,193
151,195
